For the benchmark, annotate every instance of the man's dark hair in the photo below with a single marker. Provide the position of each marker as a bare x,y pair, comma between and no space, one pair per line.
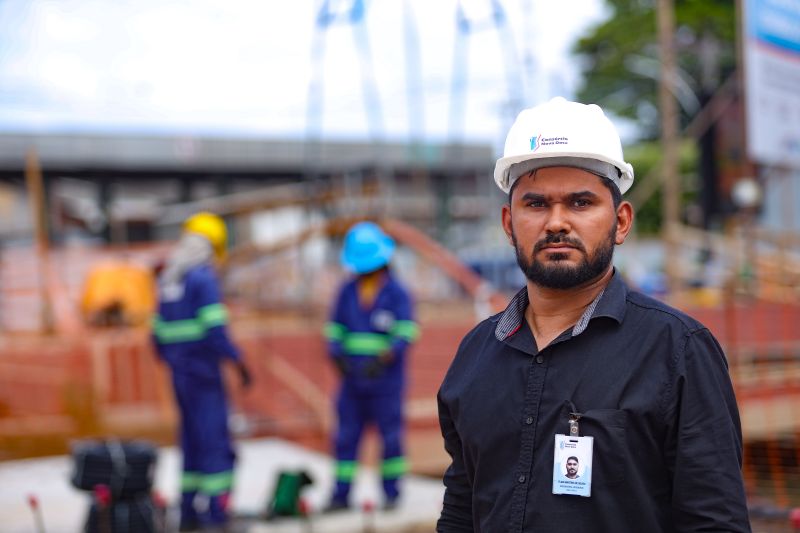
573,457
616,195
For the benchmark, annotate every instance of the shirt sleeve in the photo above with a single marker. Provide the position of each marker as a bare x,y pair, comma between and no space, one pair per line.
213,314
456,514
704,441
335,329
405,330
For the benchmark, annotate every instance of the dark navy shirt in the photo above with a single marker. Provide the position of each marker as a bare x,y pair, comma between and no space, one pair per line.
653,388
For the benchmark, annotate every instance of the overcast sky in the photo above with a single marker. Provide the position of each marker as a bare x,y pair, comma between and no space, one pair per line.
243,67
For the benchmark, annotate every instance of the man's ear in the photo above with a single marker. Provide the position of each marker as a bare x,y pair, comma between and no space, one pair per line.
624,221
506,214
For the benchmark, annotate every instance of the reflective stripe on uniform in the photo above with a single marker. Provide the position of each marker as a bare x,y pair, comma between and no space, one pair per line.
190,329
190,481
394,467
346,470
174,331
334,331
215,484
213,315
408,330
366,343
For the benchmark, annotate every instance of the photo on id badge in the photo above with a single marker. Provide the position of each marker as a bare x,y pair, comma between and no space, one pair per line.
572,465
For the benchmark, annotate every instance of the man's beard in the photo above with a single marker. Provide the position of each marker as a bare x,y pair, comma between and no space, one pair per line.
561,275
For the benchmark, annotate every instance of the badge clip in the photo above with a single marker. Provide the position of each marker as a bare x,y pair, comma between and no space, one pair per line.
574,429
574,416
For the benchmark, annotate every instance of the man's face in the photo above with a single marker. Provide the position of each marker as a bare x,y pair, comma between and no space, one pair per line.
563,226
572,467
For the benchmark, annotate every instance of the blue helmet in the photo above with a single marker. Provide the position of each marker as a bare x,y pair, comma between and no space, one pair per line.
366,248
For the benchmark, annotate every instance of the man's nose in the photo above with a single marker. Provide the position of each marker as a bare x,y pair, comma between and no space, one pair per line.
558,220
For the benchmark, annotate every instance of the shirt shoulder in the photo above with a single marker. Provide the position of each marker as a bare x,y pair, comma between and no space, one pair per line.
348,285
480,342
483,330
201,274
347,289
650,309
396,287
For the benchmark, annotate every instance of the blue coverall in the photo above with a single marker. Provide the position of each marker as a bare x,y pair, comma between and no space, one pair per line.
190,335
370,392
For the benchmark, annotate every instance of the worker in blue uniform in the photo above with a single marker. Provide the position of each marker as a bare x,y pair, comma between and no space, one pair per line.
190,335
370,330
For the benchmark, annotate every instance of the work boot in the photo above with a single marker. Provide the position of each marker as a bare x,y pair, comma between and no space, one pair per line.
214,518
217,513
391,503
217,528
189,525
190,520
336,506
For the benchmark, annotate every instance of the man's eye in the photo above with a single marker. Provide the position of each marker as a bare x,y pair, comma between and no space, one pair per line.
536,203
580,202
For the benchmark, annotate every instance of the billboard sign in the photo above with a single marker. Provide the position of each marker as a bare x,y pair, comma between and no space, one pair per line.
772,80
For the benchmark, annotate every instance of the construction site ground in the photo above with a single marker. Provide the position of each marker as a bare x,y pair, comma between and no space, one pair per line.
64,508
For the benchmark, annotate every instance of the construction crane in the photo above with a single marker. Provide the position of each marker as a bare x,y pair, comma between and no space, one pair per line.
471,18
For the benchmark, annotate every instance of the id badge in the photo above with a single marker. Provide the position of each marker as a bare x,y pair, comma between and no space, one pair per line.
572,465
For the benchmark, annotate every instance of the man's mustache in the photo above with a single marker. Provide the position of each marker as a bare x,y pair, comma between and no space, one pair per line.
558,238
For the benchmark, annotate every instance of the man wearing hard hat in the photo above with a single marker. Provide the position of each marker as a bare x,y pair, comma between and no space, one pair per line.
578,365
369,332
190,334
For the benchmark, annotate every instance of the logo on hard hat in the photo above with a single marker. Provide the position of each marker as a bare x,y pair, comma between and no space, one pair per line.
534,143
550,141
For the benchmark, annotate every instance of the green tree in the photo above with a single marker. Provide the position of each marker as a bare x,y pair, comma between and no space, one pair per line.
619,58
644,157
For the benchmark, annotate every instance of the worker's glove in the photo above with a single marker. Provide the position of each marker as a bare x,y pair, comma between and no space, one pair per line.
244,375
374,368
342,365
377,366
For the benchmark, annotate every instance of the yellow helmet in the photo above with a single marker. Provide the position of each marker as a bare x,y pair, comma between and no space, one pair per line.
210,226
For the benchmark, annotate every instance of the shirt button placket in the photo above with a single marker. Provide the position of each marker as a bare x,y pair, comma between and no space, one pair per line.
539,359
529,420
521,478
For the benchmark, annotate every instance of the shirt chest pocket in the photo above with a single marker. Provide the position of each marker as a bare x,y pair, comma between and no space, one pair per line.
610,446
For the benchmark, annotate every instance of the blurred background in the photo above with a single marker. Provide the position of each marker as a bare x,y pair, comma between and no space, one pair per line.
293,120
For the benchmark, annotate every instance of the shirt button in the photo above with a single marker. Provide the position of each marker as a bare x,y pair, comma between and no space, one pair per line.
529,420
539,359
521,479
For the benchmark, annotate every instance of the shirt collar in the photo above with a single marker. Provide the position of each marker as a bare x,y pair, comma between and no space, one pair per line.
609,303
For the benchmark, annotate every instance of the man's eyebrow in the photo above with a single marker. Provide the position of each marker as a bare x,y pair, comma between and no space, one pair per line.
584,194
529,196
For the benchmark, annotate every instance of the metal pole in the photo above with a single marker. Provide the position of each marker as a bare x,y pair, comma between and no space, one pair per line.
669,142
33,179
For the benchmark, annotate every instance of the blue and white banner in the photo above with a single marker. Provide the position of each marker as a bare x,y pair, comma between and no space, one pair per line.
775,22
772,81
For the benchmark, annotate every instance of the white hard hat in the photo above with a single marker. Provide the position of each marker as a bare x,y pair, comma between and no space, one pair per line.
563,133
